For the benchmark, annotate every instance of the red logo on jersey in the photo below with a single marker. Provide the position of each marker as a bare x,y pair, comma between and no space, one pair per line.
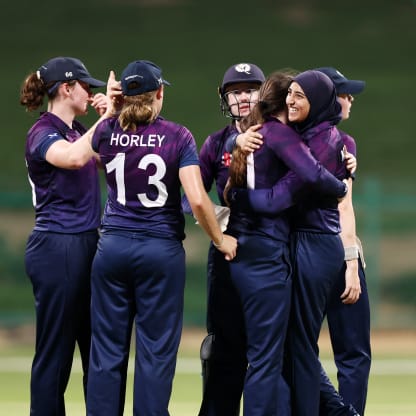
226,159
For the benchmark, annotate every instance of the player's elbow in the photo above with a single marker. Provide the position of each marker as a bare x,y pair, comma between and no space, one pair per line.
197,204
77,162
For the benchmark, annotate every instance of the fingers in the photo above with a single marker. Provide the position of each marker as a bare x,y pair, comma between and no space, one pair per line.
351,161
111,77
350,295
114,92
100,103
255,127
113,86
229,247
250,140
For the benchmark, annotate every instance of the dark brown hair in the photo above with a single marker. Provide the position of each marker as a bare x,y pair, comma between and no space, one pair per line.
33,91
272,101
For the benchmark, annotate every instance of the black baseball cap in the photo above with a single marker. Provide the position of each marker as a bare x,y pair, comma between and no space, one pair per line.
342,84
66,69
141,76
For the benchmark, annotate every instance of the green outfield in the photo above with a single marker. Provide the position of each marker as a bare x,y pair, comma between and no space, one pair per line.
391,389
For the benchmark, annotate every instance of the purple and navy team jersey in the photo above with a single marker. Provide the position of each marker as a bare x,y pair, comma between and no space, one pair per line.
284,149
215,159
318,213
65,200
142,173
349,142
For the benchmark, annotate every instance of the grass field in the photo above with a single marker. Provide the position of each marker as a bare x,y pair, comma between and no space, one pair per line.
391,390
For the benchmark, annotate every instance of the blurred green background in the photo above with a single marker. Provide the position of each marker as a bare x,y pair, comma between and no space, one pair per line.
195,42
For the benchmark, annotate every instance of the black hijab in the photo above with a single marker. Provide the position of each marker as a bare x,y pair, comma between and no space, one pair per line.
321,94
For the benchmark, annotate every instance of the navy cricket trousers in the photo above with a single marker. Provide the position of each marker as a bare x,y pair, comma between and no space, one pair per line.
226,367
261,272
318,261
349,329
59,267
135,278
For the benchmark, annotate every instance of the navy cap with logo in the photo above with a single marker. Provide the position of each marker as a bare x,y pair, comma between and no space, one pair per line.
141,76
63,69
342,84
243,72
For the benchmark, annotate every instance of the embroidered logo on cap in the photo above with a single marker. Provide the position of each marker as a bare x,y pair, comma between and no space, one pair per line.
246,68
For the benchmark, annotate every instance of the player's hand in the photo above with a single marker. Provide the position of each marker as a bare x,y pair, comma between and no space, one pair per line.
114,93
100,102
350,161
228,247
352,290
250,140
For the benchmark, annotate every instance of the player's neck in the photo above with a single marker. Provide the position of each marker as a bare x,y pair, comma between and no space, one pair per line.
61,111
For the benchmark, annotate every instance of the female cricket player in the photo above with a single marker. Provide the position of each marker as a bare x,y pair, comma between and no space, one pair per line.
349,324
65,191
138,272
261,271
317,248
225,363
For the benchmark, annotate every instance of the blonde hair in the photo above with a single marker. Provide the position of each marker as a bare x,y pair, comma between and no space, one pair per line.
138,109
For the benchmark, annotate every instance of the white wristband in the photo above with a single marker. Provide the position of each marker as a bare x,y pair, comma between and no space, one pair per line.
351,253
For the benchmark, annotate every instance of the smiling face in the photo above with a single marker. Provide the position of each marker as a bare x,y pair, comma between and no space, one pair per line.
297,103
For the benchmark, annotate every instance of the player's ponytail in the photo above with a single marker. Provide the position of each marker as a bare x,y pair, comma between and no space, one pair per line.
138,109
32,92
238,169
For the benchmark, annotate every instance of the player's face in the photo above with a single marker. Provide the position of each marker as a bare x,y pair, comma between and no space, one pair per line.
297,103
346,102
242,97
81,96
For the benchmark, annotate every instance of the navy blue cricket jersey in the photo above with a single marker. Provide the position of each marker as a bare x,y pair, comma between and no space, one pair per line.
65,200
142,172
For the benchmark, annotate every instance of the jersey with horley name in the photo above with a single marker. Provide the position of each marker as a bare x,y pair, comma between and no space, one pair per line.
142,173
65,200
